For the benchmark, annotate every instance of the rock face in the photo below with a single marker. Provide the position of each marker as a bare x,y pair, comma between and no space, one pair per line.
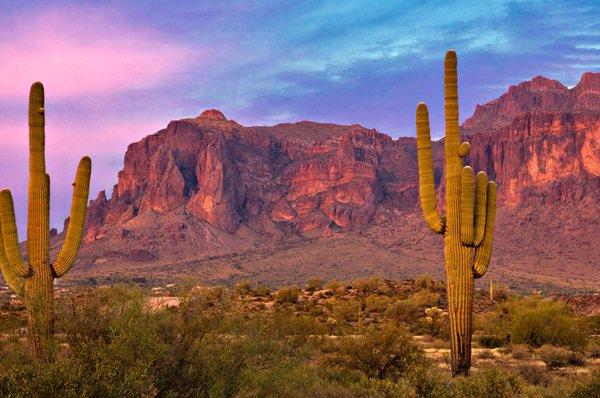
208,186
225,174
541,140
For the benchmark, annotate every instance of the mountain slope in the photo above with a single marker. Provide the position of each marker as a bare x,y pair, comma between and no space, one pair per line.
208,196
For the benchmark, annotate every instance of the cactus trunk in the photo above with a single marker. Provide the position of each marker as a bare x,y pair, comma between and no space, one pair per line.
34,279
469,221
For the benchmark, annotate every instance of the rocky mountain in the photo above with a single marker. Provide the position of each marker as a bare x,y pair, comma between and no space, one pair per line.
209,197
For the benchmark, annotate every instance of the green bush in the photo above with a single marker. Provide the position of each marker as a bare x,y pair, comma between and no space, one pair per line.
553,357
313,284
366,286
403,311
287,295
591,389
488,341
489,383
535,321
424,281
348,311
243,288
261,291
388,353
533,375
376,303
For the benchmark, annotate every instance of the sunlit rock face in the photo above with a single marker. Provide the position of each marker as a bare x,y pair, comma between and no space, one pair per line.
206,188
225,174
540,140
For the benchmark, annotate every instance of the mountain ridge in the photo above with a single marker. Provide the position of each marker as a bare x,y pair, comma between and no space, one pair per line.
207,188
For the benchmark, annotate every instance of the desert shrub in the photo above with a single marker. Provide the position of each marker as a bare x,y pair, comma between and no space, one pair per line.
593,324
485,355
553,357
348,311
537,322
287,295
489,341
520,352
366,286
500,292
594,351
376,303
424,281
576,358
590,389
533,375
313,284
339,382
403,311
10,322
489,383
243,288
424,299
334,285
261,291
388,353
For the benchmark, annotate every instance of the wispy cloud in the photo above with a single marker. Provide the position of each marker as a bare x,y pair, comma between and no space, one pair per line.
81,52
117,71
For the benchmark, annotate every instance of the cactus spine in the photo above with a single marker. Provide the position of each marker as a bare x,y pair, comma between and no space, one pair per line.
468,225
33,279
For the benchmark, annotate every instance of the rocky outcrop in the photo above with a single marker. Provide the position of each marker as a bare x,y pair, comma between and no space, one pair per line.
207,186
225,174
541,141
538,94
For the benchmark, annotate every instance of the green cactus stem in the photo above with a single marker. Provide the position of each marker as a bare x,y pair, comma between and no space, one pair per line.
467,227
34,279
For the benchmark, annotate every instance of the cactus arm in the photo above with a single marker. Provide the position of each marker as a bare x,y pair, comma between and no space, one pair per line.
426,180
483,253
14,282
81,189
466,206
480,207
11,248
463,150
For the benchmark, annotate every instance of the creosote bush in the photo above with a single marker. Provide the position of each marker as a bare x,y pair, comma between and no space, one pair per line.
287,295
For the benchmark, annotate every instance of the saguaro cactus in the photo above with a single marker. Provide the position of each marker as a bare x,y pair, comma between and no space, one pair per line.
468,225
33,279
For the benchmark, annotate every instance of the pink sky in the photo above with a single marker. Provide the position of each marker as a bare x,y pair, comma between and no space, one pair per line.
88,66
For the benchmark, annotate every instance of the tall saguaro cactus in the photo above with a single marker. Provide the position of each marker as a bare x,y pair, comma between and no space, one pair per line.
468,225
34,279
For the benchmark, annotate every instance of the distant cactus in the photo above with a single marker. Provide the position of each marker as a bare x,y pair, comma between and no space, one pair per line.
33,279
468,225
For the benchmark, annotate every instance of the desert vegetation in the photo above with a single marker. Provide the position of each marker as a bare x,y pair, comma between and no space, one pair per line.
363,338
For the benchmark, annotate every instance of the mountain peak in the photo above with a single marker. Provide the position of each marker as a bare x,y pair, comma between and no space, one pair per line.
214,114
542,83
537,94
590,81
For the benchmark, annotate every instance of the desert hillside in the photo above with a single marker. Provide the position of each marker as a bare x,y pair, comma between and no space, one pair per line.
209,197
